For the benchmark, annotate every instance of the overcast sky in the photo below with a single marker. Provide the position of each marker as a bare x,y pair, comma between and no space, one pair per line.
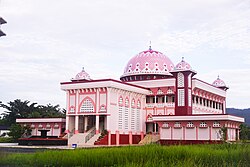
49,41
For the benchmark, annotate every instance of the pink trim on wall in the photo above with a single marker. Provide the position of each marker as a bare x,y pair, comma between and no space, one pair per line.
127,98
130,137
107,99
109,137
79,107
121,105
117,138
142,135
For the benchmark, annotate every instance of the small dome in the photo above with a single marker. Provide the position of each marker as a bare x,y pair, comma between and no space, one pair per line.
183,65
219,83
148,62
82,75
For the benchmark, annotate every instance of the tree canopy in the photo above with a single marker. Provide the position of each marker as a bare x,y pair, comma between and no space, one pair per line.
25,109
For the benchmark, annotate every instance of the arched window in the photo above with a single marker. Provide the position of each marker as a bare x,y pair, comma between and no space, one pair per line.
120,114
126,114
138,104
126,102
120,101
87,106
133,103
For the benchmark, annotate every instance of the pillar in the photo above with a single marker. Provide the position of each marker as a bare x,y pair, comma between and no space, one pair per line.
97,124
108,122
210,133
130,137
109,137
238,131
85,123
142,135
183,133
197,135
117,138
76,124
155,127
67,124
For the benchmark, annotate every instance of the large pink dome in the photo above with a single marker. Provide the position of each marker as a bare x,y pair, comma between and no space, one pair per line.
148,62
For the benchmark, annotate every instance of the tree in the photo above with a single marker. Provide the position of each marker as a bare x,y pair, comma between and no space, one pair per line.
17,109
223,133
16,131
23,109
244,132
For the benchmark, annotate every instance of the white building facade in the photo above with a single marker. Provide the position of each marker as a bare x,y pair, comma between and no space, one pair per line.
153,96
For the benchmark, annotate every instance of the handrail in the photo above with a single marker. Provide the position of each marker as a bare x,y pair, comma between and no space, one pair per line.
90,135
71,133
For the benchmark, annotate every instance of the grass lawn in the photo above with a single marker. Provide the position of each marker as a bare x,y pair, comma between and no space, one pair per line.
224,155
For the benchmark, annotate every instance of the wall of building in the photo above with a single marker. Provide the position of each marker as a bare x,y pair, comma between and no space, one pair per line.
210,131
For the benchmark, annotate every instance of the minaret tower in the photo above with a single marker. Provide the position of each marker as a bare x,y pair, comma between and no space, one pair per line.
183,85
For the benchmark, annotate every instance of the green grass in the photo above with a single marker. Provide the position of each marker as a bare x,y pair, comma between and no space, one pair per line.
225,155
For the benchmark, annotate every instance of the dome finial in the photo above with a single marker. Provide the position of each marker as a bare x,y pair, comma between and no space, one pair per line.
218,77
150,45
182,59
83,69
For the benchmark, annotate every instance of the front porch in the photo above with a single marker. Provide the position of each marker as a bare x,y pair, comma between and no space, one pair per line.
85,129
82,123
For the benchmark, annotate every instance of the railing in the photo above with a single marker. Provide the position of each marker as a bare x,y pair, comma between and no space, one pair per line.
169,104
90,135
71,133
208,109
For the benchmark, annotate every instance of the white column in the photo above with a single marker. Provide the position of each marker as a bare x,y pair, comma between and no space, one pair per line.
85,123
108,122
224,107
76,124
97,124
155,127
108,109
155,99
77,101
165,99
97,100
67,124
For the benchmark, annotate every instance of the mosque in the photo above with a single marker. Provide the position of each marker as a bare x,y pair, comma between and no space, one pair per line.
152,97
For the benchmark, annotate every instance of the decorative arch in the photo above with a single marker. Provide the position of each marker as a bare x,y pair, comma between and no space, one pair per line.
138,103
126,102
133,103
87,105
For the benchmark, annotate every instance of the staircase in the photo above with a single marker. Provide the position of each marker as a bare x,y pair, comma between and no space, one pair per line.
149,139
92,141
83,139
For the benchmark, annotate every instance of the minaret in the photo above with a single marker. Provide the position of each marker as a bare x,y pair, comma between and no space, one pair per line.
183,85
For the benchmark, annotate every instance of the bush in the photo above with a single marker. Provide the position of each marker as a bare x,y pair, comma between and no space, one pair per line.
6,140
16,131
